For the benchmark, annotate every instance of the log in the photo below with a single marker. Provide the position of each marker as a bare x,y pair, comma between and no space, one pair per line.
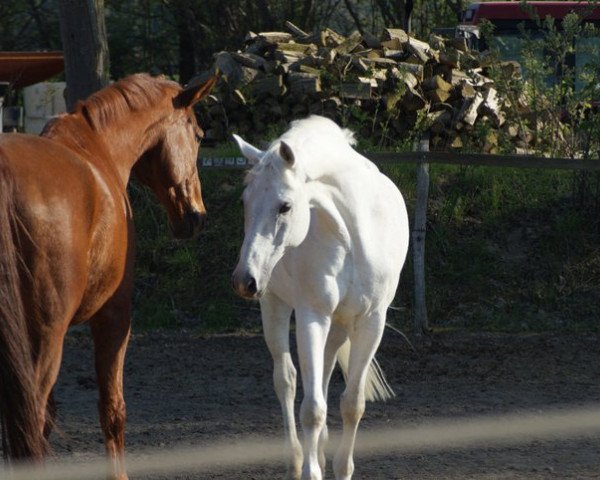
437,83
275,37
412,100
371,40
301,48
439,120
437,95
330,38
419,55
230,69
269,85
465,90
348,45
405,76
468,111
357,90
492,106
395,33
303,83
295,30
416,70
393,44
393,54
251,60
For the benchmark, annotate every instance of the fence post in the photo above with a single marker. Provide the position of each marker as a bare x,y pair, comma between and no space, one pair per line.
418,238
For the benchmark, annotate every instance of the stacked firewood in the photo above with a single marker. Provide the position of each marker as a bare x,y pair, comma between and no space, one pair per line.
387,86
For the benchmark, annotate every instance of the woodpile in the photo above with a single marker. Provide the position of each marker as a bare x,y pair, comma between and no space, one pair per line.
389,87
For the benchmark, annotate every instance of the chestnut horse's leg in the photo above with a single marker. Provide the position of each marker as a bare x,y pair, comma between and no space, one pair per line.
111,327
50,415
47,360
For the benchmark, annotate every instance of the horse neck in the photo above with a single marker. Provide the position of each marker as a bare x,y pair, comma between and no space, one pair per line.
115,149
335,167
335,185
127,141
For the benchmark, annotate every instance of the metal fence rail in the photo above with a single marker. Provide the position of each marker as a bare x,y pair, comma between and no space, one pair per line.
475,159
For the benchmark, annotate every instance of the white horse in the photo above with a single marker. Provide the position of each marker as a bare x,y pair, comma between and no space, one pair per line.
326,235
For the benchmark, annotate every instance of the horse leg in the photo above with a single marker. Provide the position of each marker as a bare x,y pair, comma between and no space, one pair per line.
312,330
364,342
48,359
111,327
50,419
336,338
276,325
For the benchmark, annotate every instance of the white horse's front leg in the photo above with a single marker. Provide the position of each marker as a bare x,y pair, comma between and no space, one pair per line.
276,326
311,335
364,342
336,338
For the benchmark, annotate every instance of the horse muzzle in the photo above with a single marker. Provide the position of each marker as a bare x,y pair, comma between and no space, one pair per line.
190,226
245,285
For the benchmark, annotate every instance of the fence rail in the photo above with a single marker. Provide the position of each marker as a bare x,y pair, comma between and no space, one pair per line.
475,159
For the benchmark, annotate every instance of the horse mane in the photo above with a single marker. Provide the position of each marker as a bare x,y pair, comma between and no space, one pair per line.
316,125
306,133
131,94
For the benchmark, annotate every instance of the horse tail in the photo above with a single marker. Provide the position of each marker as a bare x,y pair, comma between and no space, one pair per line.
19,413
376,386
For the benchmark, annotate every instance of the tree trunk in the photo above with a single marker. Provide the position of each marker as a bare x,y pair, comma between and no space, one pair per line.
83,33
187,57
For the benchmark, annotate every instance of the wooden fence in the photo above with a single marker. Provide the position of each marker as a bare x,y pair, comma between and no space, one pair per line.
423,157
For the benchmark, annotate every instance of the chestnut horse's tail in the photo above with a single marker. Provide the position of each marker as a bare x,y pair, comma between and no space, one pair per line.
19,410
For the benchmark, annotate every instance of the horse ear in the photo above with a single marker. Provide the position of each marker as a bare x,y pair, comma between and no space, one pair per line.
251,153
196,90
285,152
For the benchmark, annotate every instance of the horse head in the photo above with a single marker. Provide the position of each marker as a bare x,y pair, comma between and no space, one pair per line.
276,214
169,166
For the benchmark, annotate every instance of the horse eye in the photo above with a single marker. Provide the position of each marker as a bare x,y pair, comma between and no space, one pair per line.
285,207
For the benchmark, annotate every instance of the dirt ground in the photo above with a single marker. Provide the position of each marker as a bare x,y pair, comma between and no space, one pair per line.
186,390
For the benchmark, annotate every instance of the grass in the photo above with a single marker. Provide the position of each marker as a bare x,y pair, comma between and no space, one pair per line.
506,250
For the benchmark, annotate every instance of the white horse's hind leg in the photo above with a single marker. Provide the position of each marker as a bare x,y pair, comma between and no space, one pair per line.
276,326
311,335
336,338
364,342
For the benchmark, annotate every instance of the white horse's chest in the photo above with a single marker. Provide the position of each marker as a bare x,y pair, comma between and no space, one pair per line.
319,274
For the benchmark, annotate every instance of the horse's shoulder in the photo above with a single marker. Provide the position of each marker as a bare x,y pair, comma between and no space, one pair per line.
328,218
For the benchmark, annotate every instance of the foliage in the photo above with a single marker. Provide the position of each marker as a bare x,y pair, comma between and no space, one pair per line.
188,282
179,37
29,25
556,102
507,249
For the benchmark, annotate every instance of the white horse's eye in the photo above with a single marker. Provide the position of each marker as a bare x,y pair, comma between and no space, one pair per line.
285,207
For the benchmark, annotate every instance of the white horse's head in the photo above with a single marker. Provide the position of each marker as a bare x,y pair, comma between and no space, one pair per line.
276,214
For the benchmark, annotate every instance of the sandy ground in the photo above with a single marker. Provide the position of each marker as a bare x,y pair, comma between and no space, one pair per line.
184,390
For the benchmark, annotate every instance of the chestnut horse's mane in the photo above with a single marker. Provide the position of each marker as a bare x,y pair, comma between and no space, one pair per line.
131,94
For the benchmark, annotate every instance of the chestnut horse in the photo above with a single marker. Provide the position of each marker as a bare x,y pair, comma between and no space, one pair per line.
67,243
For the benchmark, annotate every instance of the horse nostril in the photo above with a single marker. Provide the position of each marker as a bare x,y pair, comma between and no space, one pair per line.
251,286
